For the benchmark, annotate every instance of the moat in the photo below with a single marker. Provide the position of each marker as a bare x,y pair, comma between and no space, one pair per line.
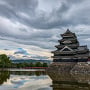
25,80
40,80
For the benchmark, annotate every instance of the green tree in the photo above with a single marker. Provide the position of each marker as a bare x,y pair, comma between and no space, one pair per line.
5,61
31,65
4,76
45,65
38,64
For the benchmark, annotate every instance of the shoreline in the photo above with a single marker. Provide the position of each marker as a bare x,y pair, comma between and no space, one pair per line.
21,69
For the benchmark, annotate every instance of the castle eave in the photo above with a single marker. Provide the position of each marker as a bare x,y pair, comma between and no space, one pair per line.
69,49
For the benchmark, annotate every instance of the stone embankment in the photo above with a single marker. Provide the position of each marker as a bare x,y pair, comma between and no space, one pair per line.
72,67
81,67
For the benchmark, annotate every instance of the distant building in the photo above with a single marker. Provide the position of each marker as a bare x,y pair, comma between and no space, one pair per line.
69,49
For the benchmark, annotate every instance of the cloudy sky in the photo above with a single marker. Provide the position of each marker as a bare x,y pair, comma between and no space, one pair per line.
31,28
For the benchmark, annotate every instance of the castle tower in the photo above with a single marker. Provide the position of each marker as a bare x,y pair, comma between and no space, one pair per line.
69,49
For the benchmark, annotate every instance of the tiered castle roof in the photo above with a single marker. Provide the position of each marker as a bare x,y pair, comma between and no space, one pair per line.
69,49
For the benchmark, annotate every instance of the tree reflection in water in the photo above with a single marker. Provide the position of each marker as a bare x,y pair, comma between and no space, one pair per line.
67,81
4,76
29,73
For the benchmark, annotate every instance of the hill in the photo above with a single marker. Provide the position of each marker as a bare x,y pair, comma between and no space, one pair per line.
30,60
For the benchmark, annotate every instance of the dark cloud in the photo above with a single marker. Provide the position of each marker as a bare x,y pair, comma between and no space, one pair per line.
25,22
6,49
69,12
23,30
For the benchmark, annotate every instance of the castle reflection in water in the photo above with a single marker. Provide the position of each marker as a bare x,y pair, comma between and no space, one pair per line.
67,81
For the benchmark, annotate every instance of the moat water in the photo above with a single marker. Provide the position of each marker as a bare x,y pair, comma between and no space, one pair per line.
40,80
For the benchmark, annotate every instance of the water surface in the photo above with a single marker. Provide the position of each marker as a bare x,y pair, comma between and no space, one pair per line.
25,80
40,80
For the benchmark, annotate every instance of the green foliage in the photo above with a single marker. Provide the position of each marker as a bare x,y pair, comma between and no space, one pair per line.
45,65
5,61
4,75
31,65
38,64
23,65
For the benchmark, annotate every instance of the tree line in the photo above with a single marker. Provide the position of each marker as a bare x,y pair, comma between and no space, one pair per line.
23,65
5,62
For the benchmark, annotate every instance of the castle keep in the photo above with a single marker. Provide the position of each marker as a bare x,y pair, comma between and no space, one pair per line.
69,49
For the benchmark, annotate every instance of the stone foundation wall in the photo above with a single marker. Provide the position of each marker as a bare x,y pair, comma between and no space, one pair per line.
72,67
81,67
61,66
70,75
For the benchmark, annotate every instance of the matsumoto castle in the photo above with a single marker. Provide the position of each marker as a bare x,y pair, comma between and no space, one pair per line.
69,49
